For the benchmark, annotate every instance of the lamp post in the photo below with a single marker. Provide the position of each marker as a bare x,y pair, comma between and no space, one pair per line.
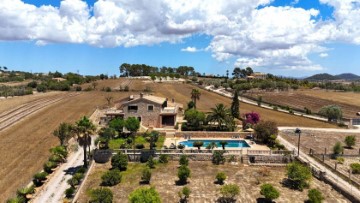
298,131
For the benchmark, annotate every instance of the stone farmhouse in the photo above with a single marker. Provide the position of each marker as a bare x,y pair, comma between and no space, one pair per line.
152,111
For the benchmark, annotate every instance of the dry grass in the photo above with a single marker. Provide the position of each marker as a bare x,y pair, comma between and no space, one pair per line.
314,100
12,102
26,144
318,141
202,184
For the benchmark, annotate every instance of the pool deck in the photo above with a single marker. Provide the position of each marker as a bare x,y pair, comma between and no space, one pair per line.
253,145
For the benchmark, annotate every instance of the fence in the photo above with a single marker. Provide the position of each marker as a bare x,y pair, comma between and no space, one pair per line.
341,169
254,157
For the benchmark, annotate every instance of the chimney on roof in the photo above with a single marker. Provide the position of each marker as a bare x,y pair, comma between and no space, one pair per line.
141,95
173,100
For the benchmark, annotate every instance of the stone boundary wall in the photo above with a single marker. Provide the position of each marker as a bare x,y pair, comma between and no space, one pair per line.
206,134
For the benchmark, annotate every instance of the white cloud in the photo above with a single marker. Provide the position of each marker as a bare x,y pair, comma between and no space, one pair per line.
191,49
324,55
275,37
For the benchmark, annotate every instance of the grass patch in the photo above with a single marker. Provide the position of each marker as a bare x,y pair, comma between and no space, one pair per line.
160,142
132,175
115,143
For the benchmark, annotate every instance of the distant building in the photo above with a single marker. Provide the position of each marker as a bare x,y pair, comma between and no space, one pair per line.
58,79
257,75
152,111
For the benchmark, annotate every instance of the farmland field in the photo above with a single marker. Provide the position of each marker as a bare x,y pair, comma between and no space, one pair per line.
202,185
313,100
26,144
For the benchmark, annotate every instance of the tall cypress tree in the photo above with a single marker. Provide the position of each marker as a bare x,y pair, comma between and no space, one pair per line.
235,105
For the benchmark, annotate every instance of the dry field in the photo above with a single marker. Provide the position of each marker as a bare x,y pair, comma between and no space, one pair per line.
12,102
314,100
26,144
318,141
202,184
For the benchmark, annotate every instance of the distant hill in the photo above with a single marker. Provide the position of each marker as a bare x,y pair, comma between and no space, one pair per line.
348,76
323,76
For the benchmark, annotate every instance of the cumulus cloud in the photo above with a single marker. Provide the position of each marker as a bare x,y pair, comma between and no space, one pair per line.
191,49
250,31
324,55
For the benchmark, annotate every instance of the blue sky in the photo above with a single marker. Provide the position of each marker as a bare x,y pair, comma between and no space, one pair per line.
313,43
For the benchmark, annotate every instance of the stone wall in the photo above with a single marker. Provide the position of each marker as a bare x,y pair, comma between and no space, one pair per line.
206,134
148,118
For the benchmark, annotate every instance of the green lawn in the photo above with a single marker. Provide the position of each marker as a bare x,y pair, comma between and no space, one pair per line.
115,143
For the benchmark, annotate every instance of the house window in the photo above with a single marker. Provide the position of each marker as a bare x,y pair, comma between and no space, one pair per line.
150,108
132,109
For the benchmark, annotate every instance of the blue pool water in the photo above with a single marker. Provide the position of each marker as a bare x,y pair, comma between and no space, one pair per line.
231,143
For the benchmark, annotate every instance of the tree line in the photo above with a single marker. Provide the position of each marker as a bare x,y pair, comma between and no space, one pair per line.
146,70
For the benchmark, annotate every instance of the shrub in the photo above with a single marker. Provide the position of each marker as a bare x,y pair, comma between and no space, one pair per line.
184,194
298,175
32,84
229,192
220,178
119,161
355,168
41,88
184,161
69,192
180,146
307,111
198,144
111,178
350,141
269,191
139,146
81,170
275,108
183,174
16,200
108,89
218,157
101,195
25,191
340,160
39,178
151,162
48,166
144,195
78,176
126,88
73,182
78,88
146,175
56,158
164,158
315,196
338,148
264,130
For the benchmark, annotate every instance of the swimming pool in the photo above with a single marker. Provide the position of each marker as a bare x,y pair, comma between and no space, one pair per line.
231,143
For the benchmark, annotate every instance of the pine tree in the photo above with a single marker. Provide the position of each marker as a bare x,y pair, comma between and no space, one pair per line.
235,105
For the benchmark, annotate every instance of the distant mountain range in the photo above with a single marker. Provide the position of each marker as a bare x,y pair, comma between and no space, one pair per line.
326,76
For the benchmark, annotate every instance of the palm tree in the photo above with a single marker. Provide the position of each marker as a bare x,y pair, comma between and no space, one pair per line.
83,129
63,133
223,143
221,115
195,95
